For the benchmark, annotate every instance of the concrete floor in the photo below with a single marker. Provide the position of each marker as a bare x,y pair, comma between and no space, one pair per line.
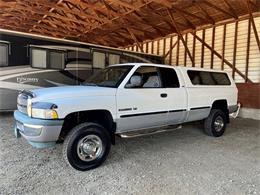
184,161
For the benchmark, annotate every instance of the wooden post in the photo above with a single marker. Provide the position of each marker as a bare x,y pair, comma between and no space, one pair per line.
193,49
164,46
185,52
158,47
212,45
170,50
170,60
146,47
178,51
152,47
135,39
235,50
248,49
223,46
202,49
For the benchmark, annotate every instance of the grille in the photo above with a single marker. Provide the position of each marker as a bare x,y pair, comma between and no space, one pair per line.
22,102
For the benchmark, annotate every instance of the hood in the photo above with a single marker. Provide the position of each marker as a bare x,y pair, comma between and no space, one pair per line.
72,92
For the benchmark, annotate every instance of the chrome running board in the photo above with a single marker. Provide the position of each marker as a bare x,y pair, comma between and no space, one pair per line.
139,133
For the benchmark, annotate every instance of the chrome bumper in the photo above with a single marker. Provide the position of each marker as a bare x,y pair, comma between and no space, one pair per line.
38,132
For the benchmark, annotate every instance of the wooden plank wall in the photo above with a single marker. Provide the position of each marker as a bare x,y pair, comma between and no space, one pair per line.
235,42
227,40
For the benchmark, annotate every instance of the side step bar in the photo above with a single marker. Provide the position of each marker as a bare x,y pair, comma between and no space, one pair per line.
144,132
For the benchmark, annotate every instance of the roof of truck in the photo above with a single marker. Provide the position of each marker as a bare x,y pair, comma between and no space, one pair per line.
169,66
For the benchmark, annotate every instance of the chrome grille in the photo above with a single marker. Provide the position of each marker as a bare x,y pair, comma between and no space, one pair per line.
22,102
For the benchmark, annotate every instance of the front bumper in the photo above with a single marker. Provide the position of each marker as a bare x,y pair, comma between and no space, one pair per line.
39,133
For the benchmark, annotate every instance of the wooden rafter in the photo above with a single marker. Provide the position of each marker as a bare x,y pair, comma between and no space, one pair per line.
179,34
219,9
199,6
231,9
98,21
49,11
135,39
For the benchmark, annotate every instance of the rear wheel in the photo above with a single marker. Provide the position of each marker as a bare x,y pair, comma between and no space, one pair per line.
86,146
215,124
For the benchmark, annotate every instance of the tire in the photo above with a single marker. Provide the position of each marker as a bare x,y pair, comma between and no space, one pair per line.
83,140
215,124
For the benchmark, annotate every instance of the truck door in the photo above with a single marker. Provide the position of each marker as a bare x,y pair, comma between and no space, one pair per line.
142,102
176,95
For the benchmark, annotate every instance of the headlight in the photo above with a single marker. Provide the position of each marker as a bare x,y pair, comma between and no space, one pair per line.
43,110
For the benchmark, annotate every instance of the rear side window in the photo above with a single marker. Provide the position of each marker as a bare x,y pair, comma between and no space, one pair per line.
169,78
208,78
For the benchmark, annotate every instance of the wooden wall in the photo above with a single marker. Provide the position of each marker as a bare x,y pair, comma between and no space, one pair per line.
235,43
229,40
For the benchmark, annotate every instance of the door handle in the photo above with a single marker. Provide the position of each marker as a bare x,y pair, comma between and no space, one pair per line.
163,95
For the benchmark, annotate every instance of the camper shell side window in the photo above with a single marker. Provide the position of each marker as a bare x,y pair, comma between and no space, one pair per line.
208,78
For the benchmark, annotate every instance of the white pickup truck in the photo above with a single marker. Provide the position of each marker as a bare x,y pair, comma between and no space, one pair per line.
127,100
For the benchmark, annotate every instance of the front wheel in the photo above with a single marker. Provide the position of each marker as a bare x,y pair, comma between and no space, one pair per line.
86,146
215,124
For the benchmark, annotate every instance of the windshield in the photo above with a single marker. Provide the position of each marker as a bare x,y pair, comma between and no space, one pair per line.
108,77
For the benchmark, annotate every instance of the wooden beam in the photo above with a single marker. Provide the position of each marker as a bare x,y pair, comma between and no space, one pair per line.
232,10
152,47
192,26
178,51
170,50
179,34
134,8
164,47
190,14
202,49
212,46
235,50
253,24
47,13
197,5
165,3
220,56
193,49
158,47
135,39
170,57
122,3
223,46
185,51
248,49
219,9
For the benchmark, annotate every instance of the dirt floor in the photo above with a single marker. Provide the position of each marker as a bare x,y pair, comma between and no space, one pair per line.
185,161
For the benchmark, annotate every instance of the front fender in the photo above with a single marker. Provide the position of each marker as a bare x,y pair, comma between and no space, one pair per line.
69,105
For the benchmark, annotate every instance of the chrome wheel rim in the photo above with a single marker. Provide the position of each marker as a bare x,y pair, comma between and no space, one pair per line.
218,123
89,148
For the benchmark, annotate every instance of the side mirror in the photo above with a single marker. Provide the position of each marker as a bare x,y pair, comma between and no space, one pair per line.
135,81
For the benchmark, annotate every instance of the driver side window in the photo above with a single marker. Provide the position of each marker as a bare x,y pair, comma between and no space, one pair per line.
145,77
